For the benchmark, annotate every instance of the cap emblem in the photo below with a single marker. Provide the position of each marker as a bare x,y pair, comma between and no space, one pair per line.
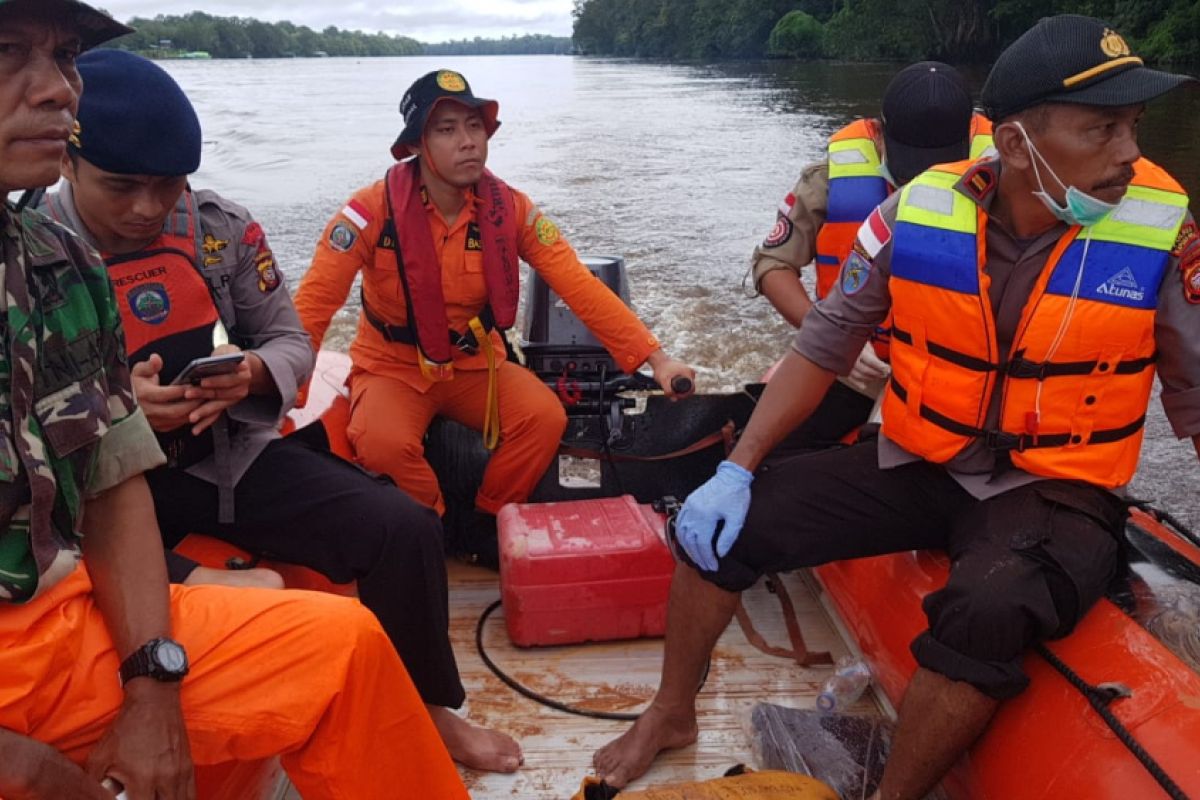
1113,45
453,82
74,139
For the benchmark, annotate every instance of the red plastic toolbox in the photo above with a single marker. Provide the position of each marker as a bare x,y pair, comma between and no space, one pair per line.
584,570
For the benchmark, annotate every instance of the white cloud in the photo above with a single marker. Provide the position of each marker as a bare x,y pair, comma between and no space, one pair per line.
450,19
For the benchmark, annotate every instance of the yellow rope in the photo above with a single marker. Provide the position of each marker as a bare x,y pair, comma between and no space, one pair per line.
491,419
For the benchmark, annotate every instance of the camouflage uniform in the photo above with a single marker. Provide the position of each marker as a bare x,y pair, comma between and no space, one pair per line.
69,428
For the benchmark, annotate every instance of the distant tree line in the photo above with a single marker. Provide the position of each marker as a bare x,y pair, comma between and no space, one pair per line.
237,37
1165,31
528,45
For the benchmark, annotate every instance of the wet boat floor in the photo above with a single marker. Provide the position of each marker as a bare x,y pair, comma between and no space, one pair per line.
621,676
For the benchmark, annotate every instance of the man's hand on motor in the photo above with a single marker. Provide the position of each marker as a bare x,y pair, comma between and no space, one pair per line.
725,498
220,392
146,749
165,407
670,375
868,372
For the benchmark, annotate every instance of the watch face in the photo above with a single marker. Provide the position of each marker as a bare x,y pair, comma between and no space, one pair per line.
171,657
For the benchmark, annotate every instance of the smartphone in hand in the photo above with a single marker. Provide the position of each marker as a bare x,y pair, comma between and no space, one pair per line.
208,367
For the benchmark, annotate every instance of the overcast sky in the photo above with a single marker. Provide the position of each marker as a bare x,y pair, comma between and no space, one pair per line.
421,19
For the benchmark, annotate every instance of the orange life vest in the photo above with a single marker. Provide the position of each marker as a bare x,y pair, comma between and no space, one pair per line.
1076,383
407,246
857,184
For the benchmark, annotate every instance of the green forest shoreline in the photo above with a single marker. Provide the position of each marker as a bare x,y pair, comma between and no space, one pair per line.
958,31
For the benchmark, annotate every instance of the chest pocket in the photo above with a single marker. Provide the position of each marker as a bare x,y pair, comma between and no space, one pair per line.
71,397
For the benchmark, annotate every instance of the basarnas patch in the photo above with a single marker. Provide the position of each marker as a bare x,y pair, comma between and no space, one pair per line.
547,231
780,233
342,237
855,272
150,303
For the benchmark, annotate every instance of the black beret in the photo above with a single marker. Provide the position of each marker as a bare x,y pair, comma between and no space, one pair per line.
133,117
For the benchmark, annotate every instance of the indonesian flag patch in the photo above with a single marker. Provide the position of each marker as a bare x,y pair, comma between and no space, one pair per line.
787,205
357,213
874,234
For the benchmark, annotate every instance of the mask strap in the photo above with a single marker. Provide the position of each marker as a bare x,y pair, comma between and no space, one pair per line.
1037,156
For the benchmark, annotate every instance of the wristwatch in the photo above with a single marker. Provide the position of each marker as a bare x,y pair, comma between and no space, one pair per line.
161,659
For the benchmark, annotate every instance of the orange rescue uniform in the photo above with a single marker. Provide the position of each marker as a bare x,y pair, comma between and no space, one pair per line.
392,402
308,676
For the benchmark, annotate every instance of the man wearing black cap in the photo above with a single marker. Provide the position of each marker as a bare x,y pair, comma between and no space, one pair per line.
438,243
109,677
927,119
190,267
1033,296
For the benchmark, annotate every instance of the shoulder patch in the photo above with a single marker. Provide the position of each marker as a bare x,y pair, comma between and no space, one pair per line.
781,232
268,272
342,237
547,232
855,272
1188,236
980,180
874,234
789,202
254,235
358,215
1189,274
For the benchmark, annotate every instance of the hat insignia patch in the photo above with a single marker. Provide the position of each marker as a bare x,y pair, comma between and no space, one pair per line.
1113,44
74,139
453,82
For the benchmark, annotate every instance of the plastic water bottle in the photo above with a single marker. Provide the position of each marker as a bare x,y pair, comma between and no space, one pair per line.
851,677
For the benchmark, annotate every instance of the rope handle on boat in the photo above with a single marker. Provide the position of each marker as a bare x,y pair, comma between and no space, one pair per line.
1101,697
524,691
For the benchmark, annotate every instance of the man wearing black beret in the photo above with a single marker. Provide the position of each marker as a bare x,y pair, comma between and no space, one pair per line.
194,276
1034,296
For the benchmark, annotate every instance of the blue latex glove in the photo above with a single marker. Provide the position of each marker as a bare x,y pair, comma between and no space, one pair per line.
725,498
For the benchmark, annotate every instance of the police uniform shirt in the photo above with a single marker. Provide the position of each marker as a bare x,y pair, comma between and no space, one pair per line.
792,242
256,309
838,327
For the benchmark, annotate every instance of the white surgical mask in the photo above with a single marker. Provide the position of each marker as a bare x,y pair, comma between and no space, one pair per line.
1081,208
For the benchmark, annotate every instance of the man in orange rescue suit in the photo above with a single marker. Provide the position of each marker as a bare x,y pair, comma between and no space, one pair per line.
926,119
107,673
438,242
1033,296
187,263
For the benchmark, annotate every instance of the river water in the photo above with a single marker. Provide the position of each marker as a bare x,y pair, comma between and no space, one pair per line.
679,168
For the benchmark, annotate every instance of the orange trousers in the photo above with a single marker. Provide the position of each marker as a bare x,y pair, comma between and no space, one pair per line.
307,676
388,420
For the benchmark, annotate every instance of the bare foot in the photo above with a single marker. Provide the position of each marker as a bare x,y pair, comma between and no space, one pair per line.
627,757
253,578
475,747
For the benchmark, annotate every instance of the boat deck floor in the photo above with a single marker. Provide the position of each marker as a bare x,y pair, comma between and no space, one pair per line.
622,676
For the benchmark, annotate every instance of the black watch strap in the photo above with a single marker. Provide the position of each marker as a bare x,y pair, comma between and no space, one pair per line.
147,661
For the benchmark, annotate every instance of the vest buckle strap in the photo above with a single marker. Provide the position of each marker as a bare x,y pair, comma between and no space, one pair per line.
1006,442
466,342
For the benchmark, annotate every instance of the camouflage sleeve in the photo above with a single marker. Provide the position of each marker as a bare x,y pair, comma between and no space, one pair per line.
838,326
792,242
128,446
1177,333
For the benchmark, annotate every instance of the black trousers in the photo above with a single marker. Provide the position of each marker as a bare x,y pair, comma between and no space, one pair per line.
840,412
1026,565
301,504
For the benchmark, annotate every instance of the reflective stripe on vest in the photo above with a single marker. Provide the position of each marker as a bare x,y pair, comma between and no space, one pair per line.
981,137
856,185
415,257
1077,380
